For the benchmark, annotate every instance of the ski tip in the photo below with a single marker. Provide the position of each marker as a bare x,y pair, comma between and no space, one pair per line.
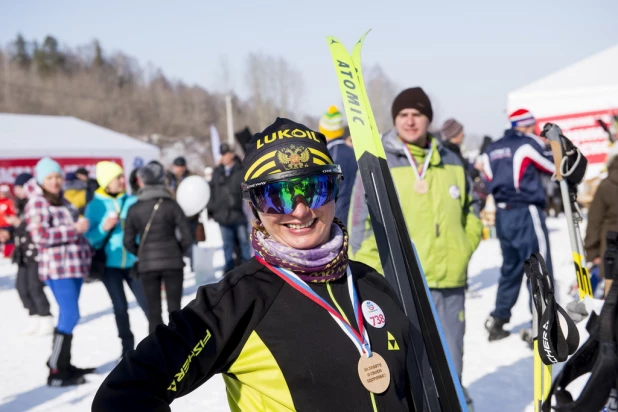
332,40
364,35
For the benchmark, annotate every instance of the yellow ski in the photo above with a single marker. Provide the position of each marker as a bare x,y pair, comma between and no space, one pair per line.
433,384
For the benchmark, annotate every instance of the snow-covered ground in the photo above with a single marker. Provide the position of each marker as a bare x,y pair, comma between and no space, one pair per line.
498,374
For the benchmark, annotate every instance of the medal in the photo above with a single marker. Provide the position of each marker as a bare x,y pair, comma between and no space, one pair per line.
372,369
374,373
421,187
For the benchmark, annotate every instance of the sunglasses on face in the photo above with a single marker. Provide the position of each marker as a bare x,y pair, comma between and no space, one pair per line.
280,197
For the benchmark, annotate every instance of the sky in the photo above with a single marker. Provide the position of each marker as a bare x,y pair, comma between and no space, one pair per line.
467,55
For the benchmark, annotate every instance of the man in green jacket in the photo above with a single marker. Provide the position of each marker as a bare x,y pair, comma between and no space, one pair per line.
438,209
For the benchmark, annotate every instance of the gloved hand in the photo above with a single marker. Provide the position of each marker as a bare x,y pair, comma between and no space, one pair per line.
577,311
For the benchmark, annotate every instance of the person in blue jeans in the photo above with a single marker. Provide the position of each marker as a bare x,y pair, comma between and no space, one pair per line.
107,212
226,206
63,257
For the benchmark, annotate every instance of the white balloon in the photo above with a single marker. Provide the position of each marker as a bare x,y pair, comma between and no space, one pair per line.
192,195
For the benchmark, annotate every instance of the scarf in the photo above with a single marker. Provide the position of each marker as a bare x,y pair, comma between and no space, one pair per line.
321,264
150,192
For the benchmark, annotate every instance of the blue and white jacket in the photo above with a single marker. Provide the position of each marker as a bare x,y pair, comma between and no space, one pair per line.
513,167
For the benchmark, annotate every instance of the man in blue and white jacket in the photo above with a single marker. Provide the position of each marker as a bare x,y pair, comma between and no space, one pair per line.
513,166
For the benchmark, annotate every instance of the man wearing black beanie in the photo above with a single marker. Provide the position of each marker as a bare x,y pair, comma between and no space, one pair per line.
437,204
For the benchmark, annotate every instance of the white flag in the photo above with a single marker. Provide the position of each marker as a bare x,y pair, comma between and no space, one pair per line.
215,141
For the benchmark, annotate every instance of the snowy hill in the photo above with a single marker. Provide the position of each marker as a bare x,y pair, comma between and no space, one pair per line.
498,374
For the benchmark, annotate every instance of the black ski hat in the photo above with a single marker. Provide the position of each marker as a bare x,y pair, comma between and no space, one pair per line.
180,161
22,179
284,145
412,98
225,148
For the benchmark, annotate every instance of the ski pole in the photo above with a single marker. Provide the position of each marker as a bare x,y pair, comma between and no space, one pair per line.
554,134
542,373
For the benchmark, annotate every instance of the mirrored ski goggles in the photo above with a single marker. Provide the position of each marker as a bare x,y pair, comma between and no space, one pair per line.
278,193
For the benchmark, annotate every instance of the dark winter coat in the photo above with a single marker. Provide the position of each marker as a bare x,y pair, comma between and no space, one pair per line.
225,204
162,250
173,182
25,249
276,349
602,215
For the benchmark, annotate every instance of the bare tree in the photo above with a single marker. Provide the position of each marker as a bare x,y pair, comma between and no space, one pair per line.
381,91
276,88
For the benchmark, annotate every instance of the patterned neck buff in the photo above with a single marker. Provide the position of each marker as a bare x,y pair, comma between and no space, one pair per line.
324,263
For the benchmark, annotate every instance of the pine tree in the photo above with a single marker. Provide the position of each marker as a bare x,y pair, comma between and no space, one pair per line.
98,60
21,55
48,58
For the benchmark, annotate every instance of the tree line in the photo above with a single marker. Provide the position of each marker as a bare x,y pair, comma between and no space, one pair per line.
114,90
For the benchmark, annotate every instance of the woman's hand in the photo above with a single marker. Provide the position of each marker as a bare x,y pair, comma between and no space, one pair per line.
110,223
82,225
5,236
13,220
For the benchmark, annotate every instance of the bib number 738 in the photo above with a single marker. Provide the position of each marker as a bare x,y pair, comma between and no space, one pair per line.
374,316
377,321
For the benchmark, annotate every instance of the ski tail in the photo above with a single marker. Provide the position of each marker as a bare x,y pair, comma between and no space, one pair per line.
433,383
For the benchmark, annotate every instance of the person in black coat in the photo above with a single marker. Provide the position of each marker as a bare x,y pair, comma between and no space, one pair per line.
226,206
28,285
160,257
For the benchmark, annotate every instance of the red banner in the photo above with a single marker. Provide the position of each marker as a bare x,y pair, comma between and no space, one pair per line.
584,130
11,168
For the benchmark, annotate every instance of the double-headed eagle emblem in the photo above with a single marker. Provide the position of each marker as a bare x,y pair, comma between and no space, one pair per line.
293,157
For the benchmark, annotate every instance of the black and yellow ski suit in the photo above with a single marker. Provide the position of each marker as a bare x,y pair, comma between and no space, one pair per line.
277,350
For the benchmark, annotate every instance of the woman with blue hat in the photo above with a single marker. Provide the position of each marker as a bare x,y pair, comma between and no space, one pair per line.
64,260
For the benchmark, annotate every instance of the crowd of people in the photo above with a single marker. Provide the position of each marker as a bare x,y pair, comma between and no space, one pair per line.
294,221
67,229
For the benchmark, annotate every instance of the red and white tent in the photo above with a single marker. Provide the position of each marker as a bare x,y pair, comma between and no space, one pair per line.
575,98
72,142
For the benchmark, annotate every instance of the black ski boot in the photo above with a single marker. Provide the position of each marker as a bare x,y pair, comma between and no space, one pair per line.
526,336
61,372
82,371
495,328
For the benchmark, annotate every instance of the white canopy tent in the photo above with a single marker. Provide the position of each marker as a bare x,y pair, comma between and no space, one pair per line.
26,138
575,97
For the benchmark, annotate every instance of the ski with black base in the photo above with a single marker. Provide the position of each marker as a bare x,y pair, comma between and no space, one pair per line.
433,383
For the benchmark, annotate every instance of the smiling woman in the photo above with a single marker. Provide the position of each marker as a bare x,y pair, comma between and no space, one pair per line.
299,326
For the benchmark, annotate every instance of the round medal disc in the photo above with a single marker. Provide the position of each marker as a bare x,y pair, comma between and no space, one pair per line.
374,373
421,186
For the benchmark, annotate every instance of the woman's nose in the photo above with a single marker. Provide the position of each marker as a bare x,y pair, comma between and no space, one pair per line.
301,209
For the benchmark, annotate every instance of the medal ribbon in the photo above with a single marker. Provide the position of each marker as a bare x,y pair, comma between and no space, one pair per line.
421,175
360,338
